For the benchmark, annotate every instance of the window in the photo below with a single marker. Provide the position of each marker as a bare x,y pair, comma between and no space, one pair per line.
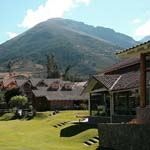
99,104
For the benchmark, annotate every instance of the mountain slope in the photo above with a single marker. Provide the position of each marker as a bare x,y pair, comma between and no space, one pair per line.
71,42
145,39
101,33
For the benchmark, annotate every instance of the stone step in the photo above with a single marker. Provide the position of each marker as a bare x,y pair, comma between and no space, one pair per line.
59,125
88,143
93,140
62,123
96,137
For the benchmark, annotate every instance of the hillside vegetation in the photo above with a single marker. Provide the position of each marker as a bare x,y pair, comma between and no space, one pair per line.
88,48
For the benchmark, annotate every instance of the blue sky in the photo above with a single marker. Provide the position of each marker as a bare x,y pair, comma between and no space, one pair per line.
131,17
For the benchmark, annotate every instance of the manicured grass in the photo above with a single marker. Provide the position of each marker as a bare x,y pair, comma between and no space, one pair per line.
39,133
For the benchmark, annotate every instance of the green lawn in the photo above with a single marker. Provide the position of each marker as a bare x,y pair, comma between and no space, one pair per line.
39,133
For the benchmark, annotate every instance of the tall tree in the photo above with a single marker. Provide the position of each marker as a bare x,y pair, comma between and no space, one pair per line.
52,67
9,66
66,75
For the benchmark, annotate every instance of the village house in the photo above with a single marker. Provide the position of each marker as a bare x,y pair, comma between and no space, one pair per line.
119,90
135,133
143,52
49,94
60,95
114,93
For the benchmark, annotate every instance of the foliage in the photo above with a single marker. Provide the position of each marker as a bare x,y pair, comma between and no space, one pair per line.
10,93
52,67
10,65
1,96
18,101
83,106
66,75
71,42
7,117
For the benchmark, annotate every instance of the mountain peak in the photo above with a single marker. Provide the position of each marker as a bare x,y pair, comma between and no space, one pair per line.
86,47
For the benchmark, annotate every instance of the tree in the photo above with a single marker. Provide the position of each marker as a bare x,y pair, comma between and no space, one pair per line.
52,67
1,97
10,93
66,72
18,101
10,65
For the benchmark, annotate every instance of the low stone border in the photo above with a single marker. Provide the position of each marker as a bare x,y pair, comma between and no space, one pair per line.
60,124
124,136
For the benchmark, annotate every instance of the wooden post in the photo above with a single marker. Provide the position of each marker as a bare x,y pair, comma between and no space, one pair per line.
90,104
105,101
111,106
142,80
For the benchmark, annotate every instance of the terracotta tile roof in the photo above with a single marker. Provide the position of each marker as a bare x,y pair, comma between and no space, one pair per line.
8,81
136,46
107,80
50,81
20,82
128,81
35,81
74,94
123,64
125,81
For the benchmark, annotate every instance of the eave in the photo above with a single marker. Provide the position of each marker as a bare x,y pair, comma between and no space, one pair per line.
135,51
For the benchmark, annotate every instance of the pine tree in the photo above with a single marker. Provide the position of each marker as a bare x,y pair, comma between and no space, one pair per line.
52,67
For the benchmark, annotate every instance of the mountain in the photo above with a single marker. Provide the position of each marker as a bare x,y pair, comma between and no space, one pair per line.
101,33
145,39
85,47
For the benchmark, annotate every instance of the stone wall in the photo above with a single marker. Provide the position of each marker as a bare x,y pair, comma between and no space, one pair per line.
122,118
105,119
61,104
124,136
143,114
98,119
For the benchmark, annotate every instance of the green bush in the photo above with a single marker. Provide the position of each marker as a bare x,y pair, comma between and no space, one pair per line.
18,101
83,106
10,93
7,116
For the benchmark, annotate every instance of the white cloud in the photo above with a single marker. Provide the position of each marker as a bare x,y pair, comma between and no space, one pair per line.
51,9
143,30
83,1
136,21
11,35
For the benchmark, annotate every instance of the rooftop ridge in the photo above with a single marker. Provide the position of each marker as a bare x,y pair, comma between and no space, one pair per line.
116,82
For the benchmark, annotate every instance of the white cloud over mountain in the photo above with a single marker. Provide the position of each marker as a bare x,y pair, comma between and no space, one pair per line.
143,29
136,21
51,9
11,35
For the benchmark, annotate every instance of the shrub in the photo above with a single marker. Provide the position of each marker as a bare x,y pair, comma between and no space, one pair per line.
83,106
18,101
7,116
10,93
